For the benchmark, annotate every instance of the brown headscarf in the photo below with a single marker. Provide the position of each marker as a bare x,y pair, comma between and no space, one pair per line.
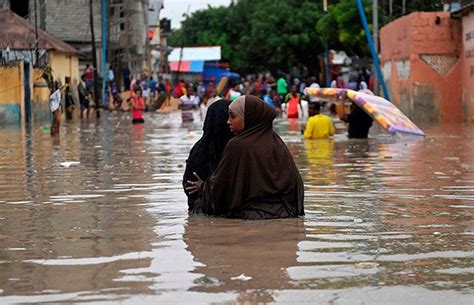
238,107
256,177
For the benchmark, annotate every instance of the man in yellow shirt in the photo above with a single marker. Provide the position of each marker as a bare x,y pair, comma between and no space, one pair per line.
319,126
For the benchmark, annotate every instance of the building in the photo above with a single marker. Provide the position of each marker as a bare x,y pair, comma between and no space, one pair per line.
65,20
128,40
428,64
70,21
24,93
466,13
158,32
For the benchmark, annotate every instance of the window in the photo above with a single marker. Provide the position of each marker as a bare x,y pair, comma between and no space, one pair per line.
20,7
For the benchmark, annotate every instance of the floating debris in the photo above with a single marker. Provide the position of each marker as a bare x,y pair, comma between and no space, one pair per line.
241,277
70,164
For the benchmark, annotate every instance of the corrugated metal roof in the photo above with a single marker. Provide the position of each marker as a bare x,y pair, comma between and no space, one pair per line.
17,33
196,53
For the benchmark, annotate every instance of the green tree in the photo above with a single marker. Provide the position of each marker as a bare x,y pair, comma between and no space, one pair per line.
341,27
213,26
391,10
268,34
257,35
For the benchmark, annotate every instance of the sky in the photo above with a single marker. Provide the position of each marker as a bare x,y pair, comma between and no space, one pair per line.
174,9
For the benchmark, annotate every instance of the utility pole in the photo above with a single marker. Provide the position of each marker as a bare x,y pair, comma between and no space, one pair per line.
181,51
104,50
94,62
404,5
326,51
375,21
36,36
375,57
146,8
129,12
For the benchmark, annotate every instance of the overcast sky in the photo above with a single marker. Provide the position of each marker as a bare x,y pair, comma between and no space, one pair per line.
174,9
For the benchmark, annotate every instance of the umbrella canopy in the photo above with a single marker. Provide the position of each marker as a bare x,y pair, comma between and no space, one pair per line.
382,111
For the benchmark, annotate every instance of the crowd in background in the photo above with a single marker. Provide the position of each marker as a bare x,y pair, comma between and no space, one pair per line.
283,92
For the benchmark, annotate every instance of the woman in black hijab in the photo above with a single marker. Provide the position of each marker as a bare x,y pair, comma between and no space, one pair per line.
256,177
206,153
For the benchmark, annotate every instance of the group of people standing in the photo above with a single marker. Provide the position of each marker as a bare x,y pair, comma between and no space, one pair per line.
286,98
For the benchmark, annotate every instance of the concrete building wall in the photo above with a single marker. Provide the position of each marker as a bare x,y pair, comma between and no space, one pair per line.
68,20
11,88
421,59
468,66
64,65
140,26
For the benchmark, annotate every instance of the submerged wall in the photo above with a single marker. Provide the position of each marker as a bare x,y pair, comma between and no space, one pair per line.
468,66
12,95
421,56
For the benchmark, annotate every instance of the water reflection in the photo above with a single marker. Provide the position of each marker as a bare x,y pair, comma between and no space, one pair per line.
387,220
239,254
320,156
59,233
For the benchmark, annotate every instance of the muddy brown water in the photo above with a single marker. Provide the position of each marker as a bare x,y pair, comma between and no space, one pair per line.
388,221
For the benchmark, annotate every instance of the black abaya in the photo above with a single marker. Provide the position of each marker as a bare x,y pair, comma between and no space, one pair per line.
257,177
206,153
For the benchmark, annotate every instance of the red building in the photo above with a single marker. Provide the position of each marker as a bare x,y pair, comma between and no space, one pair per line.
428,63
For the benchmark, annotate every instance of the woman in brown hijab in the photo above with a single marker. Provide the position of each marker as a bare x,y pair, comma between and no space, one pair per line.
256,177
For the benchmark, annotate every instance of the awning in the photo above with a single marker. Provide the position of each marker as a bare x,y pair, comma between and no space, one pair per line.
196,53
188,66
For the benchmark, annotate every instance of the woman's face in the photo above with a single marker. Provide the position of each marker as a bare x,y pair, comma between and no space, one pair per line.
235,123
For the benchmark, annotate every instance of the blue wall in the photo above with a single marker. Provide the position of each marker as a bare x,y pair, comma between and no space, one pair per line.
10,114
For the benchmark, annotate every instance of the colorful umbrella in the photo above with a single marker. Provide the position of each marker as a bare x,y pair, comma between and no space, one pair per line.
381,110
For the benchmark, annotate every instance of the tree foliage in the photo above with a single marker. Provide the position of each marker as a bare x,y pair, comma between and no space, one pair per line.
342,28
257,35
269,34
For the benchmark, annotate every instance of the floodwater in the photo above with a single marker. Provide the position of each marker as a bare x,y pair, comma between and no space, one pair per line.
388,221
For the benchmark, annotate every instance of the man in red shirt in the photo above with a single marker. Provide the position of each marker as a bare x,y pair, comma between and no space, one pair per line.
89,76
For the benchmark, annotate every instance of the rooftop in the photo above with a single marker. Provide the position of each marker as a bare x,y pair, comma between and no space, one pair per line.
18,33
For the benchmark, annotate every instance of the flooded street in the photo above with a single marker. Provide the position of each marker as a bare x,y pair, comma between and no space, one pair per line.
388,221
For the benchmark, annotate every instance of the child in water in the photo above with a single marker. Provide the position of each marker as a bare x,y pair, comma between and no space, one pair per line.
137,107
